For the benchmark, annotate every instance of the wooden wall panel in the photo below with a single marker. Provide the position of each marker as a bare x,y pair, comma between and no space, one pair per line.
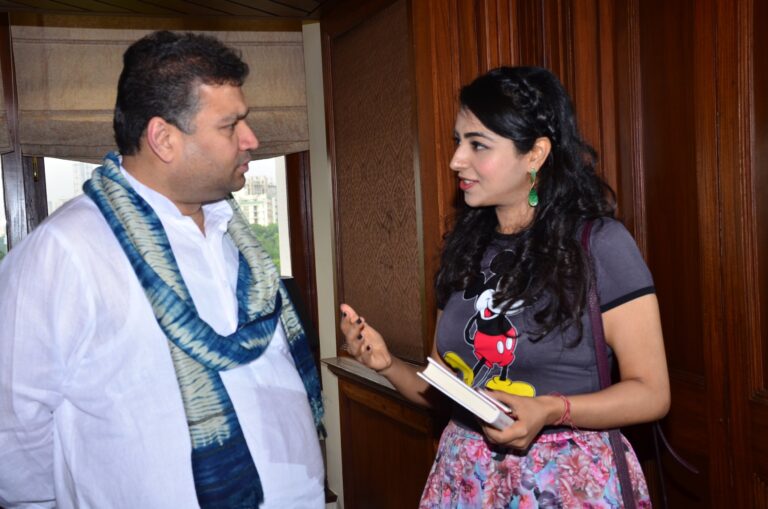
679,165
391,177
389,443
374,137
743,184
437,105
759,177
497,29
670,161
576,42
628,121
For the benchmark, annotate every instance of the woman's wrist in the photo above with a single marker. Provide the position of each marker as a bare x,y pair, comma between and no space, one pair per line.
561,414
383,371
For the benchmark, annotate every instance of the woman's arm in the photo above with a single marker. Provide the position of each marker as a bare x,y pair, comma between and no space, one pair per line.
367,346
633,330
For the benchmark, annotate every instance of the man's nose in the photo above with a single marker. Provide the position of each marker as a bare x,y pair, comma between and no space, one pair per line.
248,140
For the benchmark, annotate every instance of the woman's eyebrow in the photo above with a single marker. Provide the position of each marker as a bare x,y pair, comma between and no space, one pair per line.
475,134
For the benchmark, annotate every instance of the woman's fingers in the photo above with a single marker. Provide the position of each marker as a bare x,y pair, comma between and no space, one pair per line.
362,341
352,326
349,314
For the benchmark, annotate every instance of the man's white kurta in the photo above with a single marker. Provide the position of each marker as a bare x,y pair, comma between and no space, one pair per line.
90,409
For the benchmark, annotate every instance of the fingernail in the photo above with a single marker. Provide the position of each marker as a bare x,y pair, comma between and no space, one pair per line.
359,336
359,320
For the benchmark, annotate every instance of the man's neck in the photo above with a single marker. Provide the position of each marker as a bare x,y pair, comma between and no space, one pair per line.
152,174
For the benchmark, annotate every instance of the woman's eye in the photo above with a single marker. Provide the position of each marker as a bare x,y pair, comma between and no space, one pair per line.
456,141
476,145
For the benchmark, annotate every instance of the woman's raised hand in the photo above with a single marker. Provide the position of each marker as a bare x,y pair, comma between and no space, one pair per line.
363,342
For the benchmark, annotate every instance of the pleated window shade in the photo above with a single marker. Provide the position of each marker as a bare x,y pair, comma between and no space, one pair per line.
67,80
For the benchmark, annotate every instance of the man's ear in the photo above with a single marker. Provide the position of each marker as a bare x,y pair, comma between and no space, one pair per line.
161,138
540,151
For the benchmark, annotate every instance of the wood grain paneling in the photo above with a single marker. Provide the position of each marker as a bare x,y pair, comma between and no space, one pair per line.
743,116
628,122
221,8
390,445
670,160
679,165
497,20
436,104
302,243
759,178
374,136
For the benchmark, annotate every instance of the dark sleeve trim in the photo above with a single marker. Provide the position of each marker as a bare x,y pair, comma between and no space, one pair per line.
626,298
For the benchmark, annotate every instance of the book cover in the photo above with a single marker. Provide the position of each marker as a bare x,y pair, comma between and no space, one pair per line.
486,408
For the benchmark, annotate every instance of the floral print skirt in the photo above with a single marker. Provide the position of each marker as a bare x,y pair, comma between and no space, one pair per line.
570,469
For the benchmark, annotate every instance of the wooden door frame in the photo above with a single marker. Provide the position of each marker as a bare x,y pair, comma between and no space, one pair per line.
302,240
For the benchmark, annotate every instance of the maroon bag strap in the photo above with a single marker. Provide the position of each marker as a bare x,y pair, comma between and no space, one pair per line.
604,372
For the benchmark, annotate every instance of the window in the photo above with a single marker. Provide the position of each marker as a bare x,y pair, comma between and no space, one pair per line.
64,180
263,200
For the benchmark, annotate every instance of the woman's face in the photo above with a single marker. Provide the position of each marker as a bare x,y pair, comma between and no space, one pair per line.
490,170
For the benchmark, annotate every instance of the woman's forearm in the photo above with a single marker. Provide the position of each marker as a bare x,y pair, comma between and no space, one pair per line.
625,403
402,375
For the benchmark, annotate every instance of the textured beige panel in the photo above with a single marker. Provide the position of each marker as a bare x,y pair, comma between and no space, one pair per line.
67,81
374,131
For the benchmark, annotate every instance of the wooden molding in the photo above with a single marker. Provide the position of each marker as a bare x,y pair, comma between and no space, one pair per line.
299,191
144,22
13,171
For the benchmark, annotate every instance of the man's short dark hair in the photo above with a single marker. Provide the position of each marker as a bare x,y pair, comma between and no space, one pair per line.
160,78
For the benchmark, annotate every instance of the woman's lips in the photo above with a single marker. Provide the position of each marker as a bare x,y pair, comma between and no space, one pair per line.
465,184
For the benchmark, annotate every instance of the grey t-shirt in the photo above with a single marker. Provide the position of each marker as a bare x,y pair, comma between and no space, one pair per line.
495,350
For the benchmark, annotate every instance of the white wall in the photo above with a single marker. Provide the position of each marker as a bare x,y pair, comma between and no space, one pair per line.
322,225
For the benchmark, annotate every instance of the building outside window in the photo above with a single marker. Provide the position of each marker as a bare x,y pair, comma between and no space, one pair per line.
264,205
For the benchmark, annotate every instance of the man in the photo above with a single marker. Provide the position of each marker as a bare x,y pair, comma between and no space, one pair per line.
149,356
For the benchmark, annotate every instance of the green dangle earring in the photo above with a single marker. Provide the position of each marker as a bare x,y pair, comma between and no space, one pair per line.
533,196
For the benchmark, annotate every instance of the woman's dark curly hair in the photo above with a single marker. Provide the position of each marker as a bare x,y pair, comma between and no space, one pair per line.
524,104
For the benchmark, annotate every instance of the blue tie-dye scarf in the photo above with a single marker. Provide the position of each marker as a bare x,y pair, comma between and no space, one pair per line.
224,472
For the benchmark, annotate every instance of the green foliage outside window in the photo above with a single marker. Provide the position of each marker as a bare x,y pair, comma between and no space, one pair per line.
269,238
3,247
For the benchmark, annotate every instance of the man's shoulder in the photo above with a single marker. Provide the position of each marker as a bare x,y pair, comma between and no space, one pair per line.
77,218
72,227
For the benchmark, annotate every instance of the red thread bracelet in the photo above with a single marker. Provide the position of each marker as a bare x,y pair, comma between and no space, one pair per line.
564,419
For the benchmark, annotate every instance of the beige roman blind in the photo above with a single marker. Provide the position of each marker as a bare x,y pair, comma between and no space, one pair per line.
67,79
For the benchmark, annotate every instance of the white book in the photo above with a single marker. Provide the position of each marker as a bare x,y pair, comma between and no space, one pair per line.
490,410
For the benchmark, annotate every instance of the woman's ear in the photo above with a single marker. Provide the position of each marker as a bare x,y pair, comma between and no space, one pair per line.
160,138
539,152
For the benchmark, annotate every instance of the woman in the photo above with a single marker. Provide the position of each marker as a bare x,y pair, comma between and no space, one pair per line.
514,319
